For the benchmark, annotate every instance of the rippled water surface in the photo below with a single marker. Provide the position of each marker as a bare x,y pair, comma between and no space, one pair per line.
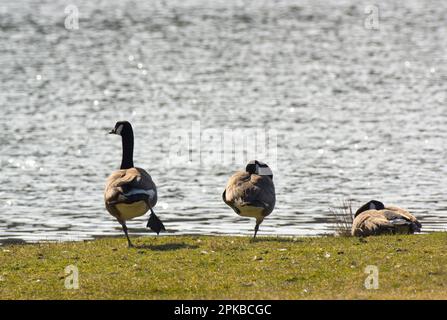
358,113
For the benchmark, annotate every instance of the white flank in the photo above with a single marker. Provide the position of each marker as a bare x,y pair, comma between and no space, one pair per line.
150,193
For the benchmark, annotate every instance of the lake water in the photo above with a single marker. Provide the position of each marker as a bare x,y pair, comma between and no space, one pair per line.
356,107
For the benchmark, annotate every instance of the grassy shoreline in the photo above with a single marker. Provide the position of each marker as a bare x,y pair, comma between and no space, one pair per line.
222,267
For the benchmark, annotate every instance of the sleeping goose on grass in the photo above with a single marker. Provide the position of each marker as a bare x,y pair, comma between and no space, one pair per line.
251,193
373,218
130,191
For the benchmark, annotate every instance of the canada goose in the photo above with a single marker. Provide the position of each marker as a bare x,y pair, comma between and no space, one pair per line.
373,218
130,191
251,193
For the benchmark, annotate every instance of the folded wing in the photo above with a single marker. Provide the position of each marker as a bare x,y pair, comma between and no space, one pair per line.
391,220
250,194
130,189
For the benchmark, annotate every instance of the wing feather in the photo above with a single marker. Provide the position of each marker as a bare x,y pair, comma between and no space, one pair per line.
244,189
128,186
389,220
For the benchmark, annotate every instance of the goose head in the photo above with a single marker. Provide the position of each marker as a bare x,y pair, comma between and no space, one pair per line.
371,205
259,168
122,128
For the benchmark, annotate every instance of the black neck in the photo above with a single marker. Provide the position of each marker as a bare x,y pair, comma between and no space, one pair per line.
127,139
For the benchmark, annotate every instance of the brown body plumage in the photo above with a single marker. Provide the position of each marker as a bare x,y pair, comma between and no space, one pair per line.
251,193
376,219
127,187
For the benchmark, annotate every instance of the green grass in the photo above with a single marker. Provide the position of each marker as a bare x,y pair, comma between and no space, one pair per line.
206,267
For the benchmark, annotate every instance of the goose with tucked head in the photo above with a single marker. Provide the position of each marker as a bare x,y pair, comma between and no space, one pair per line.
373,218
251,193
130,191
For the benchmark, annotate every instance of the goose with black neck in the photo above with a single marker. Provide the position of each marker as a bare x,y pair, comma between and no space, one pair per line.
130,191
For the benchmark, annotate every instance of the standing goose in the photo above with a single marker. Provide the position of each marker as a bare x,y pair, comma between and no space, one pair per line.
251,193
130,192
373,218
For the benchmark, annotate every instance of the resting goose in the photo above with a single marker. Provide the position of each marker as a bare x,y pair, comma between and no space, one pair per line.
373,218
130,191
251,193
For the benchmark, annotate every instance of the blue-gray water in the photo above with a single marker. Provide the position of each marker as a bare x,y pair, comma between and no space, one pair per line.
359,113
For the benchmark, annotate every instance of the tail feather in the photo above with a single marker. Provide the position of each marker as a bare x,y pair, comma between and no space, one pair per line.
402,223
416,227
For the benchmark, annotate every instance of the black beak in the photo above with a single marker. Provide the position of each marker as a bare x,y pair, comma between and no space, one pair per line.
112,131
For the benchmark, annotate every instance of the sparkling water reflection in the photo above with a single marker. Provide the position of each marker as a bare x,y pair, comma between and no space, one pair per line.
359,113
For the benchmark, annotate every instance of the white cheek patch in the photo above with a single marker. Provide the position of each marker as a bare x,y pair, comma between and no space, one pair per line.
372,206
264,171
119,129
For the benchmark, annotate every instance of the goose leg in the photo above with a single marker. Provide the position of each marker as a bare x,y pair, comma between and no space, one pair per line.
258,223
154,223
256,229
129,243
